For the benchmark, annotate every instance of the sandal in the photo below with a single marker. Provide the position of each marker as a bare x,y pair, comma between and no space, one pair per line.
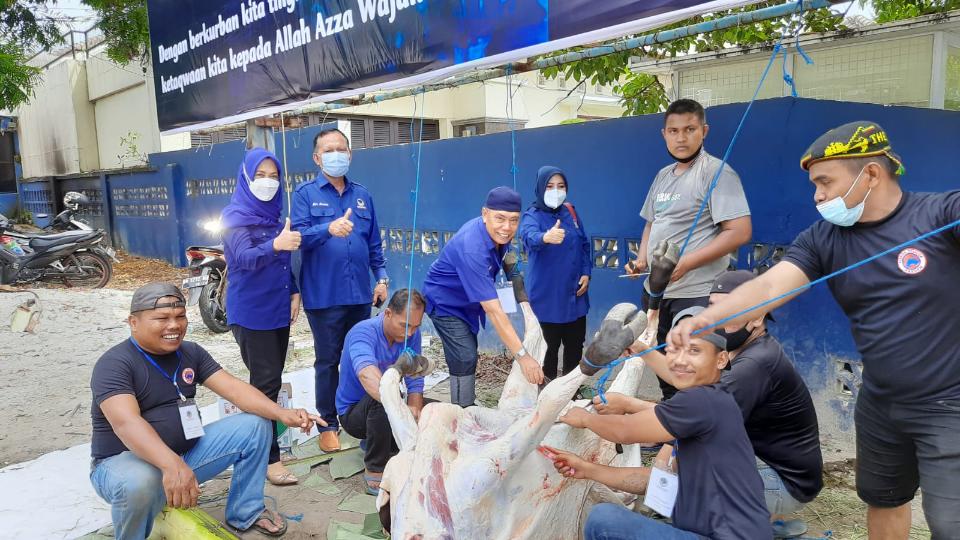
279,475
373,483
270,515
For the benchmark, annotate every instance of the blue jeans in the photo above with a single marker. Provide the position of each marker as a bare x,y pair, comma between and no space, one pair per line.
459,344
330,326
614,522
779,500
134,488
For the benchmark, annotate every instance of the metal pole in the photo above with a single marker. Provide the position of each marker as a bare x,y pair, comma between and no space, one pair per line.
773,12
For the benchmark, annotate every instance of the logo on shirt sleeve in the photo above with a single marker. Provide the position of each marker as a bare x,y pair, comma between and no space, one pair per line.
911,261
187,375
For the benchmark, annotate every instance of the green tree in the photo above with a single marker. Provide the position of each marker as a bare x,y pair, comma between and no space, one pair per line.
125,28
642,93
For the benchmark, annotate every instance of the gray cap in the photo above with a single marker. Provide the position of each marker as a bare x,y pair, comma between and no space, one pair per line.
146,297
719,342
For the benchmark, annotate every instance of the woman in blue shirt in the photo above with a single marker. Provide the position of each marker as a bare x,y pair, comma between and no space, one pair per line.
558,273
262,298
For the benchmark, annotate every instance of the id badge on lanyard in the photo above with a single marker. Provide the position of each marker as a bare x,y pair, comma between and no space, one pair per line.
662,488
189,413
508,301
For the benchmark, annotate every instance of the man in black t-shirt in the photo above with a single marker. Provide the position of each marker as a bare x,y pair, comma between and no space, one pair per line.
719,494
903,314
148,446
778,411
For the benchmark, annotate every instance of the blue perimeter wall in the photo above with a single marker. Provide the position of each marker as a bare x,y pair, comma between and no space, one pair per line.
610,165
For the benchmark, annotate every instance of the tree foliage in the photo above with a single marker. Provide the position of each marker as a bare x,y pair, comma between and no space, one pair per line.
642,93
125,28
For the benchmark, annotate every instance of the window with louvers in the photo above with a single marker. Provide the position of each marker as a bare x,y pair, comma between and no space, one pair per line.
381,132
358,134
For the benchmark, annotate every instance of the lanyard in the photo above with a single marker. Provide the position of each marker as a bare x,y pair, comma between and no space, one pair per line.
171,378
673,455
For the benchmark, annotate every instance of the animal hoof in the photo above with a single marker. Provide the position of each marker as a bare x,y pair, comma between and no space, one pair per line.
414,365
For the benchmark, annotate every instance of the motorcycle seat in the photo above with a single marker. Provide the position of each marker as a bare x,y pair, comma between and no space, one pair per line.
50,240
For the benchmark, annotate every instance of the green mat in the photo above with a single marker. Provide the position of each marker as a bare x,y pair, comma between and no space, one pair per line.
320,485
360,503
346,464
353,531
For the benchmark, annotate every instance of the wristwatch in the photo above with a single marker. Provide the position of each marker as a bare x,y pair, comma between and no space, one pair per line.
520,354
384,281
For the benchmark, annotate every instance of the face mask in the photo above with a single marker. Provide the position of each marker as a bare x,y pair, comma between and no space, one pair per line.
735,340
835,210
335,164
265,188
554,197
692,157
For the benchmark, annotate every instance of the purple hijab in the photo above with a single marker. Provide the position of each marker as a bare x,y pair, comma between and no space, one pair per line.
245,209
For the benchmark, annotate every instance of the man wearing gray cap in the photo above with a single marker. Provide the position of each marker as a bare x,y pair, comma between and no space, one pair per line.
149,447
716,493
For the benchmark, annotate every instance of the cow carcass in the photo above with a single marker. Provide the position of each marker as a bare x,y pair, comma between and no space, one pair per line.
475,473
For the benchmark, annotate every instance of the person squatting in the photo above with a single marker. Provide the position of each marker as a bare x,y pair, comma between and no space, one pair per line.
740,444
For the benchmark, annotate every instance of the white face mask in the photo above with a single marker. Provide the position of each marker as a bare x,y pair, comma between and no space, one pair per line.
554,197
264,188
835,210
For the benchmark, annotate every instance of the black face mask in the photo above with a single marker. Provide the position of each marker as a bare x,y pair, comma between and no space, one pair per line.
692,157
735,340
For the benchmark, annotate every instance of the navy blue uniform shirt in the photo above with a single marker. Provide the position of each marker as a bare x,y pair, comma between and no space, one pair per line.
902,307
336,271
463,275
259,279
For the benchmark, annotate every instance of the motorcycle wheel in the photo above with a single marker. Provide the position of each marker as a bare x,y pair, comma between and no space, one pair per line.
211,313
90,270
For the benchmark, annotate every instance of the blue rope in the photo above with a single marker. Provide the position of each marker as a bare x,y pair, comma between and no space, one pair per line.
513,132
413,233
609,367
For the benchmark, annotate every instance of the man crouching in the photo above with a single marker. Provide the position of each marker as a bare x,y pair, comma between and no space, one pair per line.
149,447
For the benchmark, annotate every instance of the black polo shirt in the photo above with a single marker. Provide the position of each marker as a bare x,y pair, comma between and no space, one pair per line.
124,370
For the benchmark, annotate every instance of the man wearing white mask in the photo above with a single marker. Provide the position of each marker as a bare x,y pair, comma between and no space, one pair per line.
903,314
340,248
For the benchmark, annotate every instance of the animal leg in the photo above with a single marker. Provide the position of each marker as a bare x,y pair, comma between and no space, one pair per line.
402,423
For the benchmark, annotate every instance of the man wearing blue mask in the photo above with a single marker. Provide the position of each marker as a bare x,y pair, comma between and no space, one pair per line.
340,248
902,310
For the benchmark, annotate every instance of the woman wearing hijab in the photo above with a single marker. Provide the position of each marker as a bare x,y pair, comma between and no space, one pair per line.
262,297
558,273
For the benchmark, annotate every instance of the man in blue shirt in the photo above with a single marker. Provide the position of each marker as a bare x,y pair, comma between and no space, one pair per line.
903,315
461,293
340,247
370,348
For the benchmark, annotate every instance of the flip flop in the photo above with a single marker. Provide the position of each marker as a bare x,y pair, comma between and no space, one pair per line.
370,489
263,530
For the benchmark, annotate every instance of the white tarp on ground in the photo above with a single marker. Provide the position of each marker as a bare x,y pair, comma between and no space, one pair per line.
51,497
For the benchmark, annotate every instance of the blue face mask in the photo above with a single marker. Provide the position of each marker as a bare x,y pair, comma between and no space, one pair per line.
835,210
335,164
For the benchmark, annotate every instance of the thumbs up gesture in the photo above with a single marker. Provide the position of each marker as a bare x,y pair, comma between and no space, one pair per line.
287,240
554,235
342,227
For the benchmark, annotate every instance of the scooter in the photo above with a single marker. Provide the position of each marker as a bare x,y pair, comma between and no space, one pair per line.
65,221
74,258
207,284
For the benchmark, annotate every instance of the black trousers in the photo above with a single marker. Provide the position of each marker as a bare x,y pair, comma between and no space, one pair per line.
264,352
367,419
669,307
572,336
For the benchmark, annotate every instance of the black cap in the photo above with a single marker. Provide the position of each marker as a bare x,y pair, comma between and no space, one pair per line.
728,281
148,296
718,341
854,140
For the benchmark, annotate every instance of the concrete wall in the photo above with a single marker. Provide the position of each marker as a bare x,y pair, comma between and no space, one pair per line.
57,127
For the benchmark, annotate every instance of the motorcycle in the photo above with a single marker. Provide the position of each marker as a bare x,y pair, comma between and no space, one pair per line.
68,220
207,281
74,258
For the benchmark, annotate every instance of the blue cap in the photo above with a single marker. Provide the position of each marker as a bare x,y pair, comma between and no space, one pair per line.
503,198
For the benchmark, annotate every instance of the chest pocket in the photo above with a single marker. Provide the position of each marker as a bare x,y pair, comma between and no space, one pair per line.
321,214
363,221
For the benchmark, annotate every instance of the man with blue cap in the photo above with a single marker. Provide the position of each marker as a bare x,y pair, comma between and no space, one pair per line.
461,293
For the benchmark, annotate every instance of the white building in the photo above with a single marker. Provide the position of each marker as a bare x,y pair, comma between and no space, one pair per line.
914,62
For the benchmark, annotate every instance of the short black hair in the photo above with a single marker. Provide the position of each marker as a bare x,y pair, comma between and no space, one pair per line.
325,132
855,165
398,302
686,106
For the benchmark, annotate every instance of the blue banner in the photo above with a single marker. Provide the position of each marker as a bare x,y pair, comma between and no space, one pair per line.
216,62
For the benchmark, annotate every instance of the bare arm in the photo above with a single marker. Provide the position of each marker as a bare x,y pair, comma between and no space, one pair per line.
251,400
627,479
775,282
733,234
501,323
641,264
370,380
180,485
643,426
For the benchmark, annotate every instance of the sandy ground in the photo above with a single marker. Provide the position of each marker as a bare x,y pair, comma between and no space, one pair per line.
45,398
